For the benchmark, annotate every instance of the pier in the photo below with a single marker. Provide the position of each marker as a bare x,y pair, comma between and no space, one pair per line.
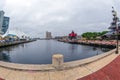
5,44
96,43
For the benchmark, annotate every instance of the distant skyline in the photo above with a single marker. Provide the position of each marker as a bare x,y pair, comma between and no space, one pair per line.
60,17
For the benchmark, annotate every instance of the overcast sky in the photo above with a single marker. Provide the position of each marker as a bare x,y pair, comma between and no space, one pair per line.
59,16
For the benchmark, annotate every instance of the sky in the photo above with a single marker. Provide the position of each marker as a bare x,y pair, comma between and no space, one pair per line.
60,17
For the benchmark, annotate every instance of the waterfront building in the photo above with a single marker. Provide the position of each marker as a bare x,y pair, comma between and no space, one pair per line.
48,35
4,23
111,34
1,20
11,37
16,34
72,35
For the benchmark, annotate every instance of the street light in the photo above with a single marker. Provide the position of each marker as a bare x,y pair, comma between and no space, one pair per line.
115,21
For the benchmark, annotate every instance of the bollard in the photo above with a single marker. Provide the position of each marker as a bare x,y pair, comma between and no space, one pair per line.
57,61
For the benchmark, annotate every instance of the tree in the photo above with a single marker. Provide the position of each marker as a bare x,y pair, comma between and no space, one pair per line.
93,35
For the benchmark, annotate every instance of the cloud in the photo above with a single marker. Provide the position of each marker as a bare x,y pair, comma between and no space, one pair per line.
2,3
59,16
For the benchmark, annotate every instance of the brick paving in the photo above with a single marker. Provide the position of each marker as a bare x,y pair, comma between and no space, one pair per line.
109,72
2,79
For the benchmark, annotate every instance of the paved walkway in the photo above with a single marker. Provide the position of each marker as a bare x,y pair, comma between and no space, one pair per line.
109,72
70,74
1,79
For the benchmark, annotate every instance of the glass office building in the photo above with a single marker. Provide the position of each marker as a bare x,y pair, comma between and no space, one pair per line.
4,23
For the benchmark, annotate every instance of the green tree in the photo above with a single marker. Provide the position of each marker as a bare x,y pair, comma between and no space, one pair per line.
93,35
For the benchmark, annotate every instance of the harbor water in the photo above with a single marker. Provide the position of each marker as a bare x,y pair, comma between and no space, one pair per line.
41,51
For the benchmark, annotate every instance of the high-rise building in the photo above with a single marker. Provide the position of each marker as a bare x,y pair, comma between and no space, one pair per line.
1,20
48,35
4,23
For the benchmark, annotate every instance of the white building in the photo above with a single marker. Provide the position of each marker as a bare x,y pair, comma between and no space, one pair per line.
18,33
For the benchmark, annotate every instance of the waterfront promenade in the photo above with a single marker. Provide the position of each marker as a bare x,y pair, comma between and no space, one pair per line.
109,72
5,44
64,74
99,43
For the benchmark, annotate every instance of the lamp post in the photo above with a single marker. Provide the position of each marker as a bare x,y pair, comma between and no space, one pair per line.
115,21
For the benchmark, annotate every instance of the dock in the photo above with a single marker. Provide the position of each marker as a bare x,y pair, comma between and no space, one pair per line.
5,44
96,43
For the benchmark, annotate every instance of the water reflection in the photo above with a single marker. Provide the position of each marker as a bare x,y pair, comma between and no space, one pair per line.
11,48
40,52
94,48
5,52
4,57
73,48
